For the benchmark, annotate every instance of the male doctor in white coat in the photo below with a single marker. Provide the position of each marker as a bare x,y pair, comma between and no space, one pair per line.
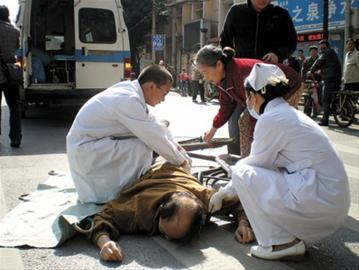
113,136
293,186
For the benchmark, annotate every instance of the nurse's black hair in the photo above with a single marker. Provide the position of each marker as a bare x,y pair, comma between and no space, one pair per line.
210,54
271,92
155,73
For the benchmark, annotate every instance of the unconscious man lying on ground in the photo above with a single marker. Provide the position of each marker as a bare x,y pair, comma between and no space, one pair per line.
166,200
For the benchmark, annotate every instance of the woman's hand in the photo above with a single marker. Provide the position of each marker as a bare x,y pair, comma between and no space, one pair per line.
271,58
110,250
244,233
208,136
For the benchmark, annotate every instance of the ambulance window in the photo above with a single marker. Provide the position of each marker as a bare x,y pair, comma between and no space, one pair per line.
97,26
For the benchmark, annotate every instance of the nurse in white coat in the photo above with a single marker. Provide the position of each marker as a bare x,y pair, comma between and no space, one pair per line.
293,185
113,136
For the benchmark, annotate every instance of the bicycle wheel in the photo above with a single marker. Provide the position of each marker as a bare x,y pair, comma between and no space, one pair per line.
344,116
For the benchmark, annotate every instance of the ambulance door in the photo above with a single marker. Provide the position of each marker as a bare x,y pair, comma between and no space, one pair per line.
99,52
23,23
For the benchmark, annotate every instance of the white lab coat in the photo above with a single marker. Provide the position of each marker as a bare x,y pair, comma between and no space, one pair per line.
100,166
293,183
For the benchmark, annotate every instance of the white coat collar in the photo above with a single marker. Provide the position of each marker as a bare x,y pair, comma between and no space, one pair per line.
273,103
139,90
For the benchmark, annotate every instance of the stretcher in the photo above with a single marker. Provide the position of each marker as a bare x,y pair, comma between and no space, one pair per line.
213,175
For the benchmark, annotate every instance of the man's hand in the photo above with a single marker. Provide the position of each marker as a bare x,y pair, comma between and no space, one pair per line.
186,166
271,58
244,233
215,202
110,250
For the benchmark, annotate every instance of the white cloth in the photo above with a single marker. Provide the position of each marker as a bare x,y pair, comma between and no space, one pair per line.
45,217
293,183
100,166
351,67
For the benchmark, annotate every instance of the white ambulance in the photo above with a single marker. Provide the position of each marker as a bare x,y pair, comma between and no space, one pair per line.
71,49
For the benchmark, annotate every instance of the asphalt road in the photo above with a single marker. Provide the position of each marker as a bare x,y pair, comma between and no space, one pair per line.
43,150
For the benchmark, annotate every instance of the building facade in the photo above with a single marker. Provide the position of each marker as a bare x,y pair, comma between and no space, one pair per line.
194,23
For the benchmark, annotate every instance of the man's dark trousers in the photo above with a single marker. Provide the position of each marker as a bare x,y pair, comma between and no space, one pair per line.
329,87
12,97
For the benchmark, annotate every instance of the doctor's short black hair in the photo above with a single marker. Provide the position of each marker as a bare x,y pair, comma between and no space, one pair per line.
155,73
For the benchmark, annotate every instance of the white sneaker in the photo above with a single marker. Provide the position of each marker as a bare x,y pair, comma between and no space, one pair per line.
295,252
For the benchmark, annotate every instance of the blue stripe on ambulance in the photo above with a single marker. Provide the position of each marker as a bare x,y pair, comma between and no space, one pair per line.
115,57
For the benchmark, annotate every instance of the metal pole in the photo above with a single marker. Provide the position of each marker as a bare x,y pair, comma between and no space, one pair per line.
347,30
173,51
174,41
153,30
164,48
325,19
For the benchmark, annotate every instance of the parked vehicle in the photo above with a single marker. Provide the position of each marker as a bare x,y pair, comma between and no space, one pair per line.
71,49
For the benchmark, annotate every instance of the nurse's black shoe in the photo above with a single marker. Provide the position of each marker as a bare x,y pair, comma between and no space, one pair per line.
294,252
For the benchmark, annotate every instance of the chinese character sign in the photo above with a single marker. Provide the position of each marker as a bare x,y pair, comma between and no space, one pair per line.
308,14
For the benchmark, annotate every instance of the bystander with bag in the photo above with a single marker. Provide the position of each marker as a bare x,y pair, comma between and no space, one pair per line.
10,74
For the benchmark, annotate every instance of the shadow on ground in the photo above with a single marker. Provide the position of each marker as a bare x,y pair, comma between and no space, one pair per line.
54,124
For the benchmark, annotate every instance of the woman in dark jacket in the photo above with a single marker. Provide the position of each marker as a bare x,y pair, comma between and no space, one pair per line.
228,74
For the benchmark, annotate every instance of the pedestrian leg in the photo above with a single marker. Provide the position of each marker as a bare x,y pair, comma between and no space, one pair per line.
186,88
246,133
233,131
201,92
12,97
326,102
195,85
190,86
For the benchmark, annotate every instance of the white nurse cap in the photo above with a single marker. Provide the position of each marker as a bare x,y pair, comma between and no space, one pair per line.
265,74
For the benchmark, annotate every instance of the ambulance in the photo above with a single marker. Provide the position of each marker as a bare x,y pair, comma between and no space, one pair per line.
71,49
